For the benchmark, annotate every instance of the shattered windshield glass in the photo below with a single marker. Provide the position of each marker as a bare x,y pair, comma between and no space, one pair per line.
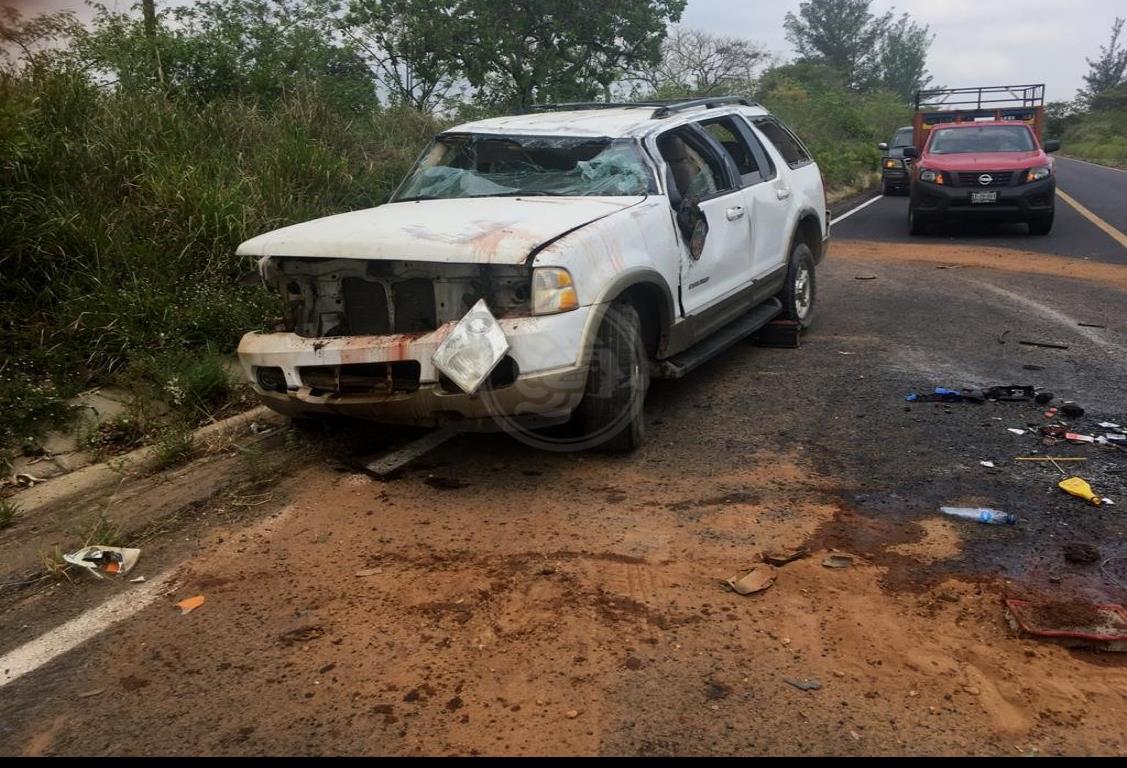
475,165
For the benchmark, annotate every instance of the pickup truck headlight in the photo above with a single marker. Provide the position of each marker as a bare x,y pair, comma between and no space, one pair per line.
932,177
1038,174
891,163
553,291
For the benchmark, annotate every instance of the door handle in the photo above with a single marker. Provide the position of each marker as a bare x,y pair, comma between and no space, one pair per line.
736,213
782,193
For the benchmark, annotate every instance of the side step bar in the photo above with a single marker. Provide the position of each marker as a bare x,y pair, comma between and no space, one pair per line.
696,356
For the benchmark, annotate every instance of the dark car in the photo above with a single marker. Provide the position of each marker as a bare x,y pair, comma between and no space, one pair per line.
996,170
894,176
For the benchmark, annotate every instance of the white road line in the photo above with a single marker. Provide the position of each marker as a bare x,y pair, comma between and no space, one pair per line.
861,207
34,654
1094,165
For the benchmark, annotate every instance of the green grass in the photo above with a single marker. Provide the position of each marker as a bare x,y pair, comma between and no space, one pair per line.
8,512
1100,137
121,216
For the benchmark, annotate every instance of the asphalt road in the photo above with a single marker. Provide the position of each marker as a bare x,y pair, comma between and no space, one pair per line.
1102,190
496,600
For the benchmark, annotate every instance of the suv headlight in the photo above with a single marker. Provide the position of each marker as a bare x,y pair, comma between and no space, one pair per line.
553,291
932,177
1038,174
891,163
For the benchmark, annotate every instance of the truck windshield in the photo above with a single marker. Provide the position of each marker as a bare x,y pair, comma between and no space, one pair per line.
988,138
477,165
902,139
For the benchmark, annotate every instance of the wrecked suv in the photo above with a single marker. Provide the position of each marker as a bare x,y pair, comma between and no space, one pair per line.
537,270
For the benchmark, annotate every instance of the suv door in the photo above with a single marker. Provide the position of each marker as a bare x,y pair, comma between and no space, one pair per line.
768,211
700,176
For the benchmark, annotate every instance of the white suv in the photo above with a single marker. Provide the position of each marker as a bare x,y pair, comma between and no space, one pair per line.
538,269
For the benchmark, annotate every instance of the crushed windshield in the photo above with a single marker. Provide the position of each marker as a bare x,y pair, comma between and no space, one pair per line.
473,165
903,138
988,138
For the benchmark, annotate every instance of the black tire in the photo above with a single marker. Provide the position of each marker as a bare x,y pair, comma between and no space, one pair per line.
886,189
1042,225
800,293
611,413
916,225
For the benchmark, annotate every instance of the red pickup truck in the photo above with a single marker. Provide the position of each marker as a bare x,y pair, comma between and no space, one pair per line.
977,160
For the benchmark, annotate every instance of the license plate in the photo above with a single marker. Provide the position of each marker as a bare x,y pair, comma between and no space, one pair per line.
983,197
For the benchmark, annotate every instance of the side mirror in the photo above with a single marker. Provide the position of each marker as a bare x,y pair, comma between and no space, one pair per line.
1052,145
911,153
883,146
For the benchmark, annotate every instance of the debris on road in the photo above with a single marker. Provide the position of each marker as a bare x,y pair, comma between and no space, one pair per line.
761,578
1092,325
866,277
1084,554
1043,344
779,559
1074,624
1051,413
1109,425
838,560
804,685
190,604
780,334
98,559
1077,438
368,572
1072,410
1050,458
138,580
1033,367
1080,488
1017,431
1044,398
980,514
1008,393
987,464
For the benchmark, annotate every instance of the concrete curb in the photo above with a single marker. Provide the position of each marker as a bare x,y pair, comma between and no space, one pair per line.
97,476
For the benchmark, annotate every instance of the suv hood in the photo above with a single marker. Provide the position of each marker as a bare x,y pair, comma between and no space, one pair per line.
487,230
987,161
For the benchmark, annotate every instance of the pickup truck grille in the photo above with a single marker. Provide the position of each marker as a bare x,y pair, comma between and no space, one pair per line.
997,178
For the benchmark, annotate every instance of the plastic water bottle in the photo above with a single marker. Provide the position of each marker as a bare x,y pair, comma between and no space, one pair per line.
981,514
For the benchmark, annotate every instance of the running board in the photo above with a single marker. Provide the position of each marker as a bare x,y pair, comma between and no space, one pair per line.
696,356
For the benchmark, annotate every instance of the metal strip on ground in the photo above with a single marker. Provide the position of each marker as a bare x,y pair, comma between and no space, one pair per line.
1114,233
859,208
389,463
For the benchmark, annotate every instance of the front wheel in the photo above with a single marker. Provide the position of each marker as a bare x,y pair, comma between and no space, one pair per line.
1042,225
915,223
611,412
800,292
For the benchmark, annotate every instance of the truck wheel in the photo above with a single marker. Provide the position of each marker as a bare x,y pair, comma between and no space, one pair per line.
915,223
1042,225
800,292
611,412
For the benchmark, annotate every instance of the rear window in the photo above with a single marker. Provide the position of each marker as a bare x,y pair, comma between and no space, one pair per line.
786,142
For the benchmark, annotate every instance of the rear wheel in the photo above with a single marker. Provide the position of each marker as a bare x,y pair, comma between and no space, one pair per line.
800,292
1042,225
611,412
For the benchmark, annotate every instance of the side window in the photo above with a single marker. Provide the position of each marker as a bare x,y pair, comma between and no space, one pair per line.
786,142
735,142
696,170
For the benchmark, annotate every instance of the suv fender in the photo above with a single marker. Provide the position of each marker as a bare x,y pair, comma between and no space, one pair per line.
647,290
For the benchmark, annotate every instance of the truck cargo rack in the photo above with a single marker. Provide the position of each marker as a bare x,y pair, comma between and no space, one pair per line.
1003,103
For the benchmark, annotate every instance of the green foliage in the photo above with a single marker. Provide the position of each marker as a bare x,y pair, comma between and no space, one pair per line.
172,446
1098,136
842,34
842,128
8,511
1108,70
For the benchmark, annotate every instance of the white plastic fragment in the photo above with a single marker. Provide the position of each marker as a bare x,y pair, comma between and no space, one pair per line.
1017,431
98,560
988,464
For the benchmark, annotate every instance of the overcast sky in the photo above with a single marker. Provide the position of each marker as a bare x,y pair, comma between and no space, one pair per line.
978,42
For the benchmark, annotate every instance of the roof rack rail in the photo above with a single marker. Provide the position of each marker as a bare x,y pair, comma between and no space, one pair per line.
986,97
661,109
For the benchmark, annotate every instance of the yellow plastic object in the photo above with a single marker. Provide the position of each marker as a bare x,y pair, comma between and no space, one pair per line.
1080,489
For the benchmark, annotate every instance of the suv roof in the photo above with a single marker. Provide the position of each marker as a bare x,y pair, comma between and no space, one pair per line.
601,120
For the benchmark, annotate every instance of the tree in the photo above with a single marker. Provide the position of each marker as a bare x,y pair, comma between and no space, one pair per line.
698,63
35,42
842,34
410,46
254,49
520,52
1108,70
903,58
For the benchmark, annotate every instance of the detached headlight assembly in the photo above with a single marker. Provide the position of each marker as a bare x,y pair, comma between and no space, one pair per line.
1038,174
932,177
553,291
